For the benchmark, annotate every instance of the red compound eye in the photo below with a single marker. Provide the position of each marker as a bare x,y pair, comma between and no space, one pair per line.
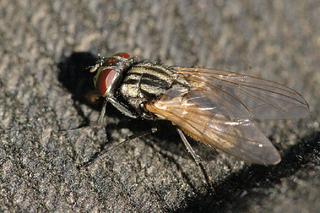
113,61
123,55
105,80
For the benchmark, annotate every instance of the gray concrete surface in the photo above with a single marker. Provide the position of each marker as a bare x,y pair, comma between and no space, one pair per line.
41,145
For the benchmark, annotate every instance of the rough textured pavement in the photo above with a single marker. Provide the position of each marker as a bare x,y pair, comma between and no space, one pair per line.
46,45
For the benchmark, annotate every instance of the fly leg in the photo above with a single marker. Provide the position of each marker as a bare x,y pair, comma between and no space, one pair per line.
196,158
104,152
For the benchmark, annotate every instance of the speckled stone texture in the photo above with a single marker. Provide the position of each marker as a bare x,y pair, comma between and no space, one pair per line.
45,47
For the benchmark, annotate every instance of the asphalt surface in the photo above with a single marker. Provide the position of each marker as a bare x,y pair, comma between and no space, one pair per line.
48,128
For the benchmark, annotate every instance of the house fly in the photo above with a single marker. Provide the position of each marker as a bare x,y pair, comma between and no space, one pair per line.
211,106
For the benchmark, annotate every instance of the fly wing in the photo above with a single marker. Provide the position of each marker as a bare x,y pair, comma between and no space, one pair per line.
255,97
204,115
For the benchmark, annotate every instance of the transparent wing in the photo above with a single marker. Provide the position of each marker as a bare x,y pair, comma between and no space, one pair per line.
206,117
216,110
257,98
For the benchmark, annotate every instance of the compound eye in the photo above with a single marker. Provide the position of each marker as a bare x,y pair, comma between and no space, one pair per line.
113,61
123,55
105,80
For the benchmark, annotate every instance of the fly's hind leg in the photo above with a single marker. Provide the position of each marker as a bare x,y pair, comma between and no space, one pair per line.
196,158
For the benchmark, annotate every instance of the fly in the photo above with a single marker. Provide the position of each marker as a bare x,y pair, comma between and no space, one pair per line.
211,106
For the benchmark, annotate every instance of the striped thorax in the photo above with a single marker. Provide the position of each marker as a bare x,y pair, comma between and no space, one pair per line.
147,81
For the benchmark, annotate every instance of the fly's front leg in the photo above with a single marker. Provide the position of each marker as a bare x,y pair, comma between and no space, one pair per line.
104,152
122,108
118,106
